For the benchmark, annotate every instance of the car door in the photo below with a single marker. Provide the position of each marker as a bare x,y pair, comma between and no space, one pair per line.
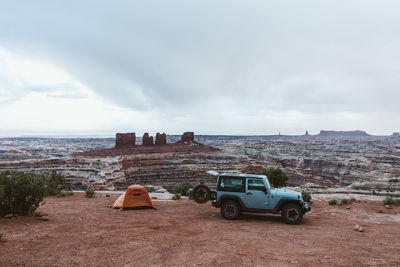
256,196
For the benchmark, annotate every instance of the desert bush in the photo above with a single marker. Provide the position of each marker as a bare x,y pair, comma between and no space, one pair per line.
65,193
391,201
176,196
388,201
276,177
89,192
344,201
332,201
306,196
352,199
182,188
21,193
54,183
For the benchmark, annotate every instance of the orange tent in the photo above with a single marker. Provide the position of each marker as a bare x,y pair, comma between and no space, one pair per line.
135,196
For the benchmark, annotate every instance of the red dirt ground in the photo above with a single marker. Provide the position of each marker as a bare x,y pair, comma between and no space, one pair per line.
83,231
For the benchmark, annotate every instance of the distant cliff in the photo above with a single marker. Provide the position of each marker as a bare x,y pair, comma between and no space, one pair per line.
356,133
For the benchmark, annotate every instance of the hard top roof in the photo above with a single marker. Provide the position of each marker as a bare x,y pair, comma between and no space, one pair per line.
243,175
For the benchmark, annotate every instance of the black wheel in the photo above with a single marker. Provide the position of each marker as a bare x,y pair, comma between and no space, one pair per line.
230,209
201,193
292,214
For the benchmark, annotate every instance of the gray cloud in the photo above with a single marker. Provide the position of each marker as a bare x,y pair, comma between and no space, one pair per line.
196,59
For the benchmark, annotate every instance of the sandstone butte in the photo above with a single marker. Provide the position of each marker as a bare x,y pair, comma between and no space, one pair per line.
125,144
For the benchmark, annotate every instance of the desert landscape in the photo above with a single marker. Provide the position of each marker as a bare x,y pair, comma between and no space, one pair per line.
199,133
84,231
352,162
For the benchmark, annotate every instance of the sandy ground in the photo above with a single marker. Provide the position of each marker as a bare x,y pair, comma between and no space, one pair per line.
83,231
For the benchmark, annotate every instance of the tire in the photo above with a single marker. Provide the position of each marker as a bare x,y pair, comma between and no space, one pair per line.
230,209
292,213
201,193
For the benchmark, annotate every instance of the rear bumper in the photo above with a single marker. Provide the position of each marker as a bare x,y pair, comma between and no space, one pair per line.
306,207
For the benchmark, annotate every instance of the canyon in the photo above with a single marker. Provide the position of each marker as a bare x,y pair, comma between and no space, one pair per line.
327,161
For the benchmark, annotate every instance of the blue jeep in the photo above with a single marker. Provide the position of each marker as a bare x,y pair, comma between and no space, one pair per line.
236,193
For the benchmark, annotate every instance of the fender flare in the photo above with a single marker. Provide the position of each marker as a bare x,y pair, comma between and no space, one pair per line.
282,202
236,198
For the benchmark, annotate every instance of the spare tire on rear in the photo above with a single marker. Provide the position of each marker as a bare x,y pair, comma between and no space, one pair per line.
201,193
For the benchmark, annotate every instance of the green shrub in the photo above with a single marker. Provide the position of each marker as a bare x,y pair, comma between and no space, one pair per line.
332,201
344,201
306,196
89,192
176,196
182,188
276,177
21,193
352,199
388,201
54,183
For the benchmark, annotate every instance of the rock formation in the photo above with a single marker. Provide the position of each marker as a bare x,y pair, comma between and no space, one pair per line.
123,140
187,137
147,140
161,139
356,133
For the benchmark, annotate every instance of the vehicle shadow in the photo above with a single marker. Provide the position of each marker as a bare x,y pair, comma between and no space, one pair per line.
274,218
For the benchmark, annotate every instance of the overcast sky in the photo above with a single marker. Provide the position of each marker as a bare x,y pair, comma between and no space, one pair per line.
213,67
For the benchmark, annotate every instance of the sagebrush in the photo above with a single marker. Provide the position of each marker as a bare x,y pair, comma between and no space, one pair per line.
20,192
183,188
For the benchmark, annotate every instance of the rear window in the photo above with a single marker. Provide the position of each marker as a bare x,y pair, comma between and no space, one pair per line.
231,184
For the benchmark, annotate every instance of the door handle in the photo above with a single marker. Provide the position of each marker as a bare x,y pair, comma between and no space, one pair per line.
249,193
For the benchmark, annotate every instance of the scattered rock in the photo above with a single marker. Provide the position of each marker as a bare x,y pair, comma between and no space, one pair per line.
154,197
388,207
109,206
108,195
26,224
327,257
358,228
162,190
39,214
347,208
8,216
44,218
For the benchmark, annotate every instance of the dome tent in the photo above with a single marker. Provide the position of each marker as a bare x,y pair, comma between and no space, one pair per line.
135,196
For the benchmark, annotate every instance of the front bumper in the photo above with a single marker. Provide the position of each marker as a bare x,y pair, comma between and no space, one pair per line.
306,207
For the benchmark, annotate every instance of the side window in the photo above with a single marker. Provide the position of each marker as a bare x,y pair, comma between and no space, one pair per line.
255,184
231,184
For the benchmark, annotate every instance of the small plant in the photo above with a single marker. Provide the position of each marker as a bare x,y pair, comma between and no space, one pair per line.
344,201
332,201
63,193
176,196
352,199
89,192
388,201
306,196
182,188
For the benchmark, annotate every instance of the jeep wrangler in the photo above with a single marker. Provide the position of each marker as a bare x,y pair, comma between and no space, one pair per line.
236,193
